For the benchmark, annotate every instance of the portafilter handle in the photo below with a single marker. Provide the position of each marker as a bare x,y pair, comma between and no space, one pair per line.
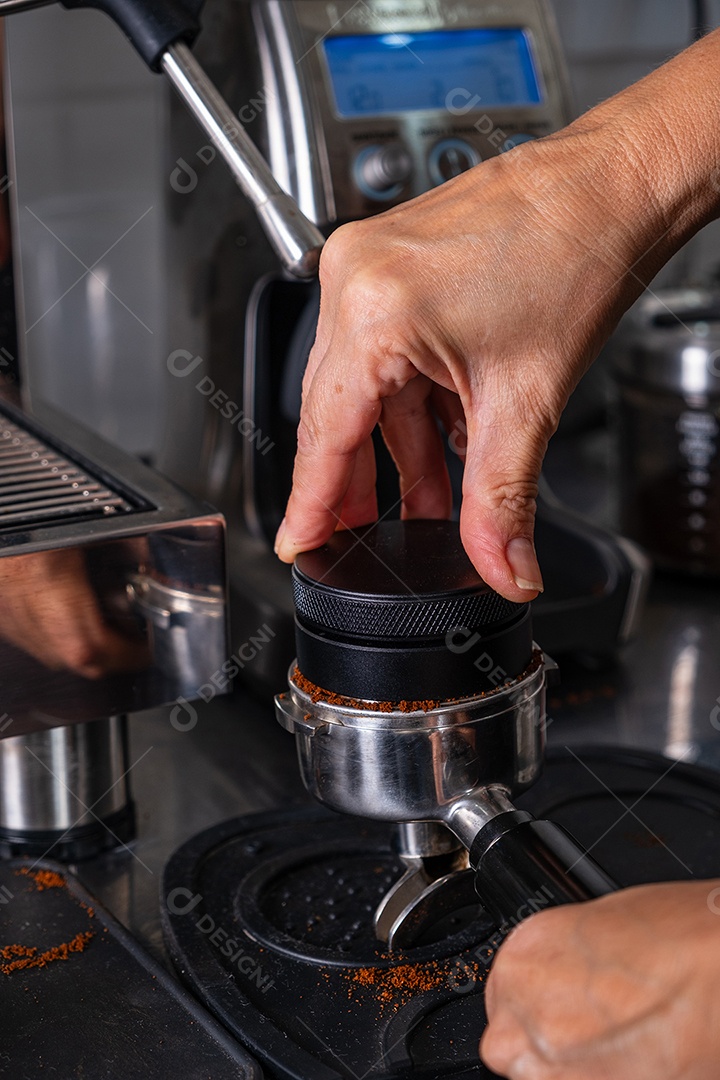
162,31
523,865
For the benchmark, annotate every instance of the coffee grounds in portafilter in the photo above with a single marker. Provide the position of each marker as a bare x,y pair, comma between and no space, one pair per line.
329,697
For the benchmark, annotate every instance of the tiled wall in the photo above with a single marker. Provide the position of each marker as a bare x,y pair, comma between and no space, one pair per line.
89,123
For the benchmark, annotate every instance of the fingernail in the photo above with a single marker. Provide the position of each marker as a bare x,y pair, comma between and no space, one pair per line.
280,536
520,553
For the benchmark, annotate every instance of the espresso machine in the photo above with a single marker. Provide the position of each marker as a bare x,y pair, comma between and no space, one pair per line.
113,601
353,938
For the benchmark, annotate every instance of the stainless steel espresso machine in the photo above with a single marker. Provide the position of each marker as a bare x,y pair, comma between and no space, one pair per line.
357,107
352,944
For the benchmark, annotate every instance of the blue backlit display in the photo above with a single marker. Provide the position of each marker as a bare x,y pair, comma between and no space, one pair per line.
457,70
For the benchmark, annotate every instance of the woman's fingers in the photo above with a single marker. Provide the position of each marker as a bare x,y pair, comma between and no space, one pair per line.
360,503
412,436
504,456
336,423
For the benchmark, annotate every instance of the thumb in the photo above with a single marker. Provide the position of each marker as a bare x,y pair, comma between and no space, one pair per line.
500,485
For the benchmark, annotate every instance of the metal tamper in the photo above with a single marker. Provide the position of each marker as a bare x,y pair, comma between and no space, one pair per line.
418,697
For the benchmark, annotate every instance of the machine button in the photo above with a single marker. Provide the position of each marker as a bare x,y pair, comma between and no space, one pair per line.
450,158
382,171
515,140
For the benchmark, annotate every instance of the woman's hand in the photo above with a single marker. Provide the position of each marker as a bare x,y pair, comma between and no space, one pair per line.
622,988
481,304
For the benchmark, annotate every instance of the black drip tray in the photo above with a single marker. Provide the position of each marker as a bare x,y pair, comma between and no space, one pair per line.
269,919
80,998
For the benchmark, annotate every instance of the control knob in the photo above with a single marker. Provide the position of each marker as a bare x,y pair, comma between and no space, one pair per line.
381,171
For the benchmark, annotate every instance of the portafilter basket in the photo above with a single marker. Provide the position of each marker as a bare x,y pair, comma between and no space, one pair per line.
418,696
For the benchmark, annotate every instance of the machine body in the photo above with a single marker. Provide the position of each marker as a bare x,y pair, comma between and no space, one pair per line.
129,572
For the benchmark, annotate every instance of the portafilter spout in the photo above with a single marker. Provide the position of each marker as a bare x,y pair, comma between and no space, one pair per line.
419,696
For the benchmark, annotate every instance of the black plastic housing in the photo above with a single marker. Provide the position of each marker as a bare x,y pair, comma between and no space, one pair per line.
524,865
150,25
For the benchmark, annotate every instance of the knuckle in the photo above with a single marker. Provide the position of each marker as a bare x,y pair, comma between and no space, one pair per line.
309,434
516,497
338,249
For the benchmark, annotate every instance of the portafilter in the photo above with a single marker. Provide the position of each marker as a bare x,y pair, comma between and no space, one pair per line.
418,697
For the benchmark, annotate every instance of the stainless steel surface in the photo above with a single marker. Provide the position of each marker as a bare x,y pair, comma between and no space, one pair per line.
75,643
312,148
426,892
667,375
385,166
187,630
424,839
64,778
670,341
472,813
39,485
432,856
421,766
295,239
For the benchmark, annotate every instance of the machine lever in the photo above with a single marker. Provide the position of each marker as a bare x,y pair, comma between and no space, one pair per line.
524,864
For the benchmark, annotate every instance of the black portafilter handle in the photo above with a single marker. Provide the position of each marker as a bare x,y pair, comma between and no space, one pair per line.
524,865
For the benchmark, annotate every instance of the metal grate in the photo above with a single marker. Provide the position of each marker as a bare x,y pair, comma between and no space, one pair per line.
39,485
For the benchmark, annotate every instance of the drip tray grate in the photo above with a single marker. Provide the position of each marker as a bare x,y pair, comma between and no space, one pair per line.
40,484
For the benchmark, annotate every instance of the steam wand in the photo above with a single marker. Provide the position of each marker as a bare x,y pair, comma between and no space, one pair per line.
162,35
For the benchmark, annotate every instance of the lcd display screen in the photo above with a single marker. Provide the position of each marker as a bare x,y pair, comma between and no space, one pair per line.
434,69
